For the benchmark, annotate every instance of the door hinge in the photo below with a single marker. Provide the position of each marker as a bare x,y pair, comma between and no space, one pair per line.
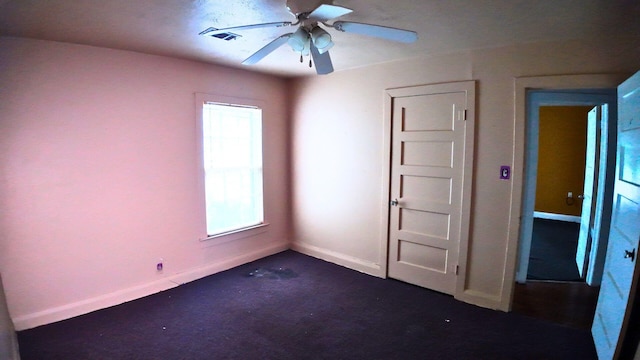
464,114
457,269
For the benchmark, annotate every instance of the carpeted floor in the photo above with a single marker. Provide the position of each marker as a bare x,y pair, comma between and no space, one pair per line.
292,306
553,251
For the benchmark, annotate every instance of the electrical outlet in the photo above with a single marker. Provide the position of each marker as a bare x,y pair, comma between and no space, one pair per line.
160,265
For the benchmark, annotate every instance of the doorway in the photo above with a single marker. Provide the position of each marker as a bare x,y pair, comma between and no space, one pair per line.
575,295
562,149
535,100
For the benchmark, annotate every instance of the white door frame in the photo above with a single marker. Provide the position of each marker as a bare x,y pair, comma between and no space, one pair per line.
521,85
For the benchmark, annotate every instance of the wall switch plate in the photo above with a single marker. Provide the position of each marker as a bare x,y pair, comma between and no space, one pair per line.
505,172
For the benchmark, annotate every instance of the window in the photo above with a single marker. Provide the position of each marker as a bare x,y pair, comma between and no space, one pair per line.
232,156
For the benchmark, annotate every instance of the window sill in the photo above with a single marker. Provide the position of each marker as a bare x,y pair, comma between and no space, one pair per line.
236,234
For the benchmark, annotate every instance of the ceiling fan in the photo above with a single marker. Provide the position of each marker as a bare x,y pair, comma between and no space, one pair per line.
311,38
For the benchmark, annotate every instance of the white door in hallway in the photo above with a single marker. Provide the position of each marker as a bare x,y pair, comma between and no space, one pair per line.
586,221
431,165
620,277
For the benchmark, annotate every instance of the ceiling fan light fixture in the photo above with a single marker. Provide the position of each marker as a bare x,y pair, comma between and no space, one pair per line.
321,39
299,39
326,48
306,49
311,39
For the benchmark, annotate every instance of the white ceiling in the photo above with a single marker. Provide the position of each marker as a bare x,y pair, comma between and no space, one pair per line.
171,27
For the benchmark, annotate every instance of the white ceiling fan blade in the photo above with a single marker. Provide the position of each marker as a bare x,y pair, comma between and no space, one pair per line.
327,12
267,49
383,32
213,31
322,61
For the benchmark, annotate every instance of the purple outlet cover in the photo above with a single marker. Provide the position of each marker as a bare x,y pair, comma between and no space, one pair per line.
505,172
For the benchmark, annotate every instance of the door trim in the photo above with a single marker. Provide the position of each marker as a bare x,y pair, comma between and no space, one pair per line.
389,94
521,85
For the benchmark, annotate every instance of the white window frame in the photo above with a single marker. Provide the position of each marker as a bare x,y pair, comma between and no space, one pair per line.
243,232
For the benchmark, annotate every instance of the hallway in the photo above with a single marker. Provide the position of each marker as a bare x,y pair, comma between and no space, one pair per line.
570,304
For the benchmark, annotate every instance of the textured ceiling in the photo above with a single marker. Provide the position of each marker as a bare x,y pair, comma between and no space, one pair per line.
171,27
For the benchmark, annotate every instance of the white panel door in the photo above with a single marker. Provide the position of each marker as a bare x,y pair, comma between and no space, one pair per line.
585,237
427,222
620,270
602,196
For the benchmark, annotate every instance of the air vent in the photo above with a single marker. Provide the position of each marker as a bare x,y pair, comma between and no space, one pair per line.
228,36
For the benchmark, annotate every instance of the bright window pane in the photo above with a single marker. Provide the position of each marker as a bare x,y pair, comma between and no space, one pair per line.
232,145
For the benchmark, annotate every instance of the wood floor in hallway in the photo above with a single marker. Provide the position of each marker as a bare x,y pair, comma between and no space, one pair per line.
570,304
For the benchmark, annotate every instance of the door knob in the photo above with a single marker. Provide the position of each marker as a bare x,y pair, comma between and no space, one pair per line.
630,254
394,202
581,196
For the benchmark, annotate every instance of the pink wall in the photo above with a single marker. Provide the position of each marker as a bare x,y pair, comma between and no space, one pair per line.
99,177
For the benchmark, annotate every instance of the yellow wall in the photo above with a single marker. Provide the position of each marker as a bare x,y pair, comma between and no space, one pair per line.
561,153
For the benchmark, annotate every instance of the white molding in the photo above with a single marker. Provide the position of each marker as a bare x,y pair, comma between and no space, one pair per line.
552,216
132,293
481,299
347,261
385,195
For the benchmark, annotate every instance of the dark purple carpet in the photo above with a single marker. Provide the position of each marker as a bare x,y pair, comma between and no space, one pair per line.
292,306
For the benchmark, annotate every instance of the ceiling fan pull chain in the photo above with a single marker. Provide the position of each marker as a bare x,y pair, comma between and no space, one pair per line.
301,58
310,63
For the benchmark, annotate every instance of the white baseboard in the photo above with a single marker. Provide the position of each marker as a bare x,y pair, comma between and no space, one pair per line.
121,296
481,299
347,261
560,217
